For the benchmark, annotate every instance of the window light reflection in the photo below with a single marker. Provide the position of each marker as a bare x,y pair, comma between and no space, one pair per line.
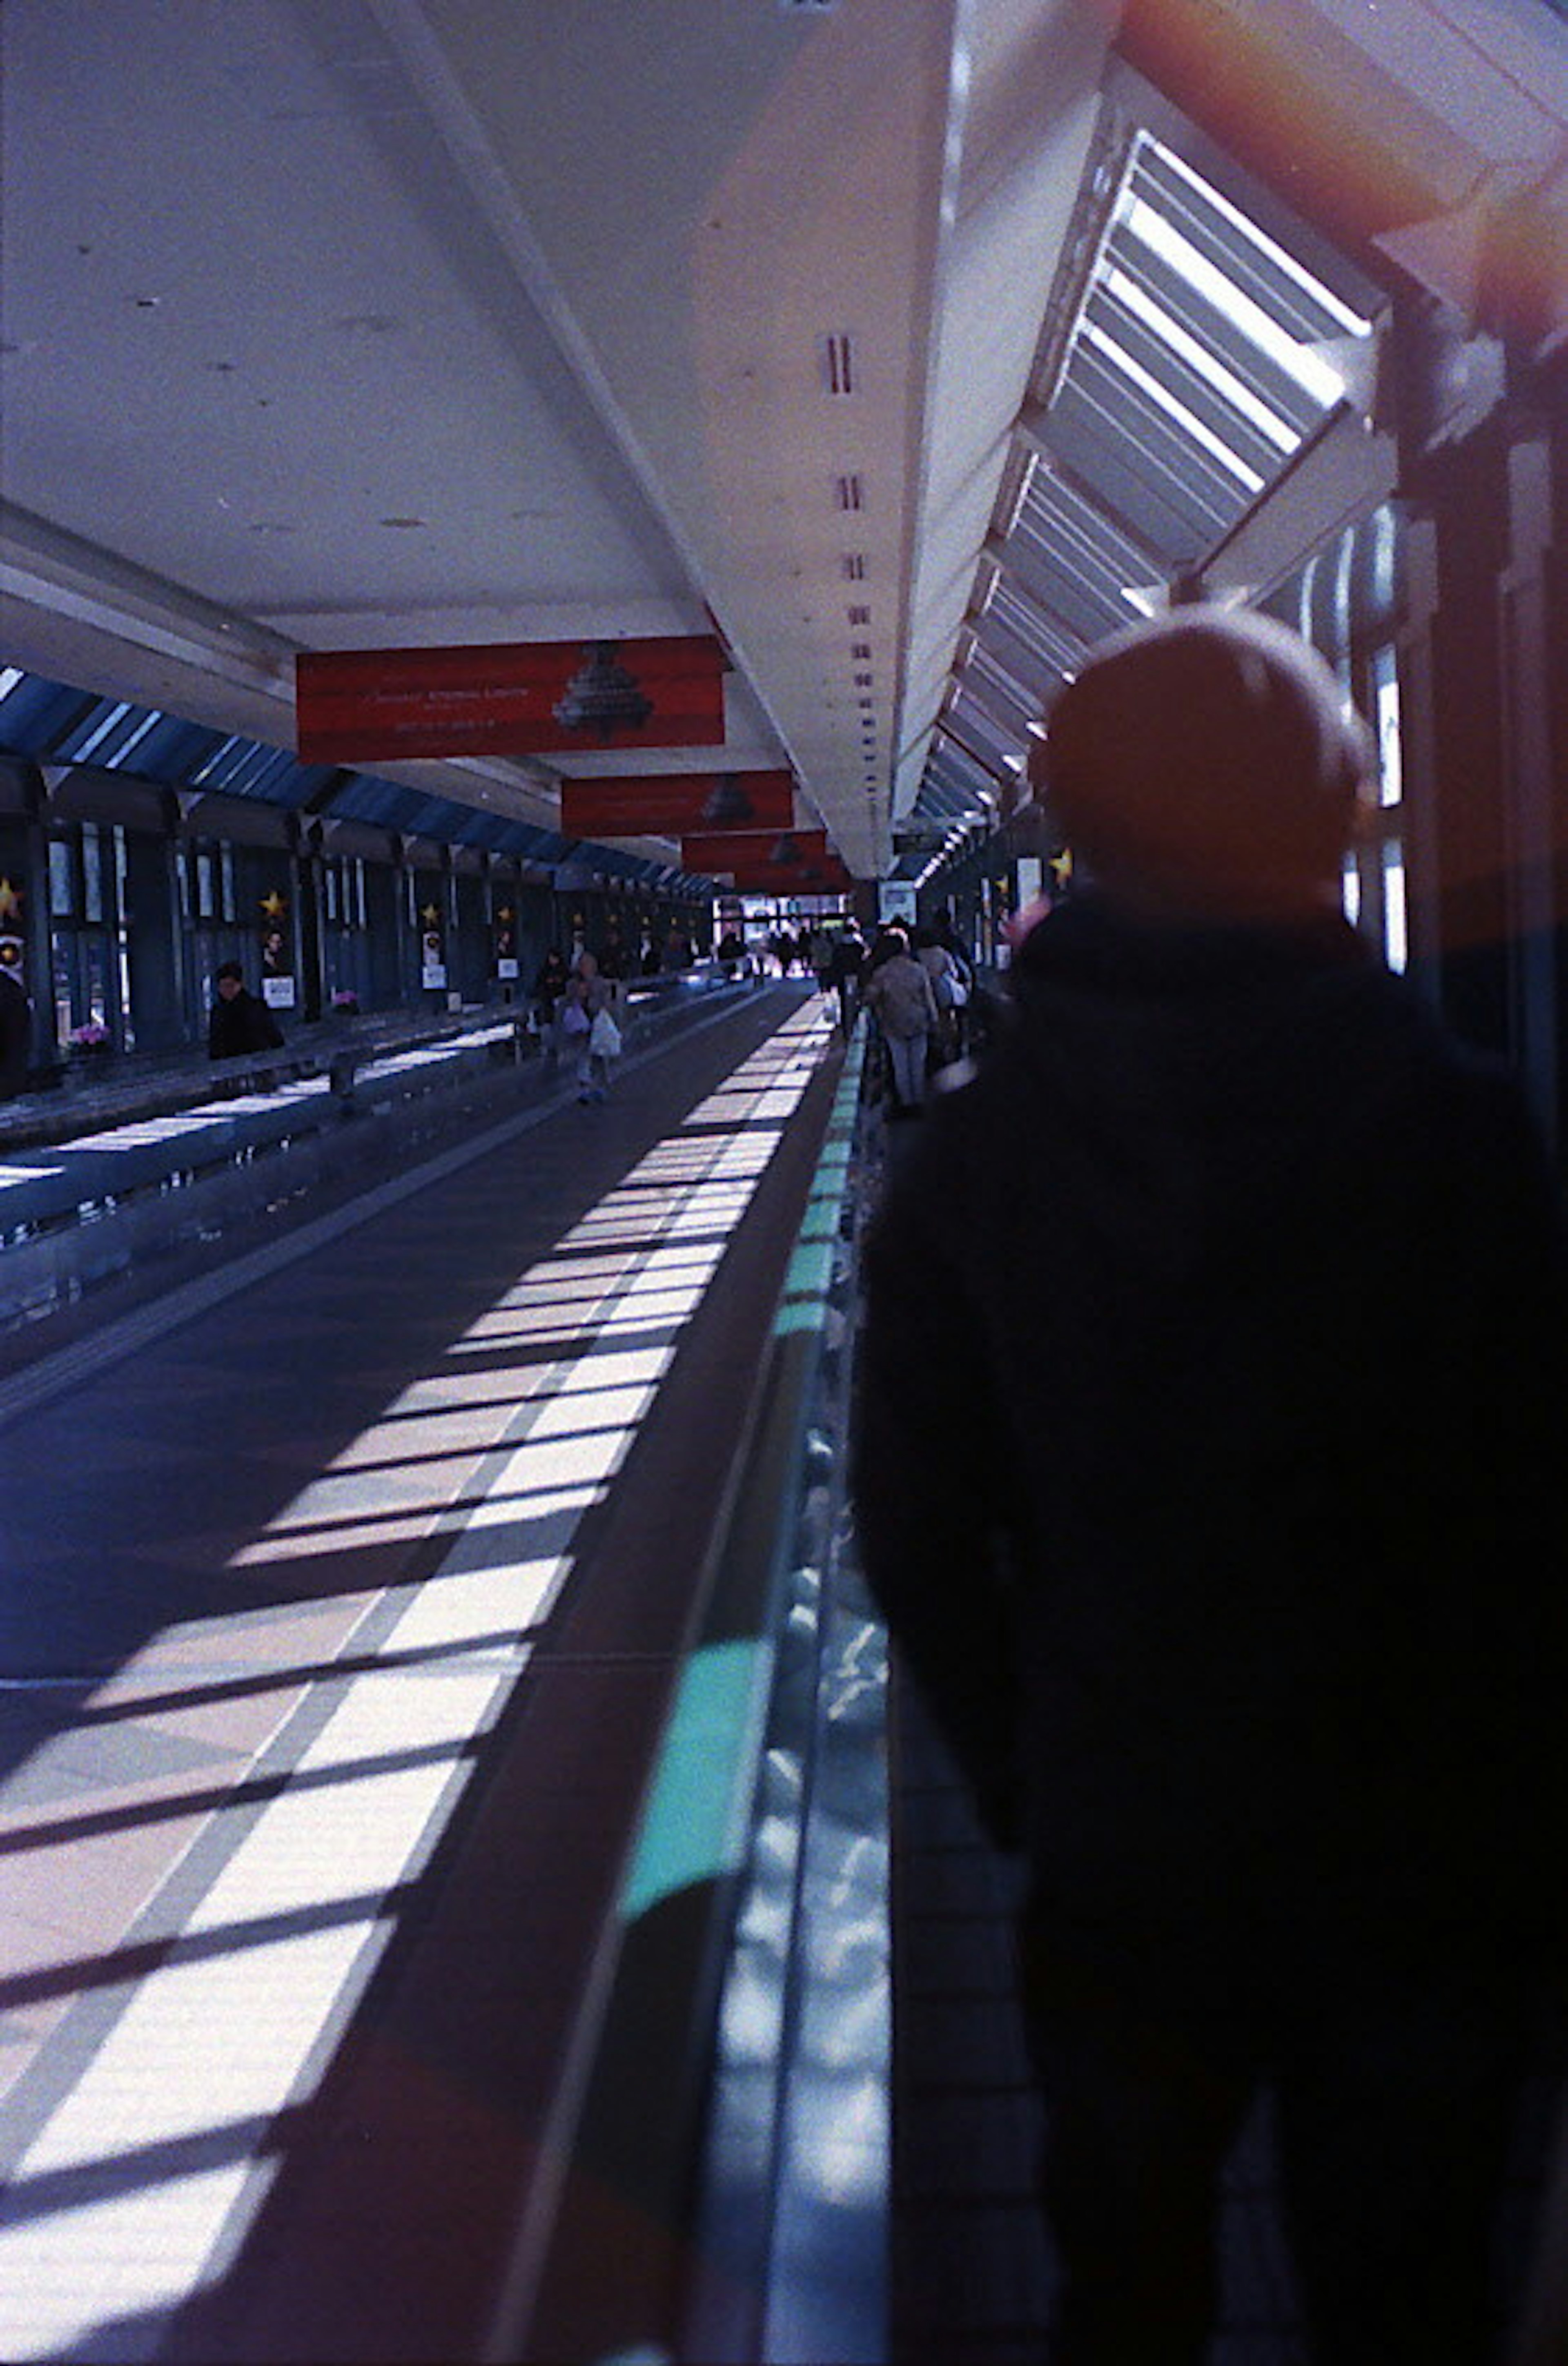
496,1452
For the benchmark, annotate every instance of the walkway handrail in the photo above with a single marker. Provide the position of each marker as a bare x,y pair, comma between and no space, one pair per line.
648,2039
93,1180
141,1088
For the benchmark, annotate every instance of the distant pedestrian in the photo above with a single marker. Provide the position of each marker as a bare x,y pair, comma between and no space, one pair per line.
900,997
16,1033
545,994
239,1020
615,961
846,961
588,1014
949,985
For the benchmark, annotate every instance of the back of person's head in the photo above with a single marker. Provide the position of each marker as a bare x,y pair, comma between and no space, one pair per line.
231,971
1207,760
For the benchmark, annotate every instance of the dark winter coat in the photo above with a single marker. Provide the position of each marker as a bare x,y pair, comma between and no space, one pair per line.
1209,1459
15,1034
242,1023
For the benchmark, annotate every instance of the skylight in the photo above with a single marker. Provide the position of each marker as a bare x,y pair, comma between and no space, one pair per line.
1351,322
1201,358
1177,411
1200,361
1309,369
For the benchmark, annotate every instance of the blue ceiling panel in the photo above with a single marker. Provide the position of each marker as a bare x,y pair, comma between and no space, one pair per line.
365,796
47,723
35,714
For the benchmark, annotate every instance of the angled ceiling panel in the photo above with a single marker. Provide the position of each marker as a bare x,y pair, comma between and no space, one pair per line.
954,778
1041,640
1198,358
1216,402
1032,669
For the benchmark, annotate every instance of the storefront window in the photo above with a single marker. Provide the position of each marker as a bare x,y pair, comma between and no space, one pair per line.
1395,947
62,879
92,872
1386,719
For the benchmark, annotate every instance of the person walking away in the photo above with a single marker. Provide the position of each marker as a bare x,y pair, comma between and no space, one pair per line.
846,962
950,989
543,995
615,966
239,1021
588,1017
902,1001
1234,1574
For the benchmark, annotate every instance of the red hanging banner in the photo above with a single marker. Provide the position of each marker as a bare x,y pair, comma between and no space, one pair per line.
667,804
797,863
511,698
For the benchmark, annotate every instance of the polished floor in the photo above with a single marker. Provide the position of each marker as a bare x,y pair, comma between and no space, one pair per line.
285,1553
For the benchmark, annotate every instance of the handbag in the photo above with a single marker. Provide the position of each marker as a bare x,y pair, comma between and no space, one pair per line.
604,1036
574,1020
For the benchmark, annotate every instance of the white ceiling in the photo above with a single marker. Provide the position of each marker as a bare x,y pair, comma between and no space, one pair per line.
333,323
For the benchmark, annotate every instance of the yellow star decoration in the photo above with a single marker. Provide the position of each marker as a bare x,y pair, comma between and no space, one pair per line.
10,901
430,914
274,906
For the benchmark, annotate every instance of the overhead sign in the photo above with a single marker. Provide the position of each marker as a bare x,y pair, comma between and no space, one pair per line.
667,804
796,862
511,698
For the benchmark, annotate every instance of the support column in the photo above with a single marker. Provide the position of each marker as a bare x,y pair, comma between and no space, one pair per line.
1530,623
1469,500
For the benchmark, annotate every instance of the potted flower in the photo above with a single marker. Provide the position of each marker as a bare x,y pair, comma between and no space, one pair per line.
90,1041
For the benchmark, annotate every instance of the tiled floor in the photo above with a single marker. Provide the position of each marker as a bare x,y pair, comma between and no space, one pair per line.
276,1579
972,2268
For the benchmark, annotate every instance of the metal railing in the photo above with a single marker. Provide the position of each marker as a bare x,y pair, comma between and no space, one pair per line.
97,1177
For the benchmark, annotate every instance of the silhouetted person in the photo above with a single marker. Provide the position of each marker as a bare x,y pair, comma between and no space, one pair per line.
846,962
1209,1468
239,1020
16,1033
